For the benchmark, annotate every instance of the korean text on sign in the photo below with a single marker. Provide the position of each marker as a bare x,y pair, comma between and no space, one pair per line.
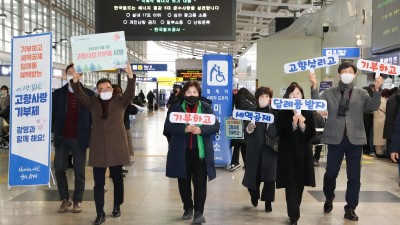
378,67
192,118
308,64
253,116
299,104
234,129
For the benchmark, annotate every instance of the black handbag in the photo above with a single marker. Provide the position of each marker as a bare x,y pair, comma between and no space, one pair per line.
272,143
271,138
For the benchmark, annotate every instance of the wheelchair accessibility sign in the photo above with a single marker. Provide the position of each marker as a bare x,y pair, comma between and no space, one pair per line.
217,73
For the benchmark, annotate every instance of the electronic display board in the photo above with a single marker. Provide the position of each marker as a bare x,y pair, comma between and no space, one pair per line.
168,20
190,74
385,25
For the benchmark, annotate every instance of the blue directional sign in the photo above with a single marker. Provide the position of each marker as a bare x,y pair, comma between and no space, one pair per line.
149,67
345,52
146,79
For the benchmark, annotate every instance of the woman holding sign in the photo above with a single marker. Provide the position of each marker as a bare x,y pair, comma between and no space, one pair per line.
191,153
295,160
261,158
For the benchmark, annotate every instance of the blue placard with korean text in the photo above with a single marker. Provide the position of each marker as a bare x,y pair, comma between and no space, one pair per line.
149,67
298,104
308,64
30,113
217,86
253,116
344,53
323,85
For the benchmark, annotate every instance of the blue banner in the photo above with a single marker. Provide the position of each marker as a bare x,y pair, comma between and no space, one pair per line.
344,53
30,114
217,86
149,67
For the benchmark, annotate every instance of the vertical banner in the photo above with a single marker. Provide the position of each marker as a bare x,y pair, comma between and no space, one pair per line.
217,86
30,114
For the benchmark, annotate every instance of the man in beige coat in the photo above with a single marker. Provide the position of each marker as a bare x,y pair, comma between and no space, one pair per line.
109,145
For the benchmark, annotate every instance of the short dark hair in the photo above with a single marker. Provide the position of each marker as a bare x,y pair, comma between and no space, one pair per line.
69,66
291,88
4,87
385,93
103,80
191,84
263,90
345,65
116,89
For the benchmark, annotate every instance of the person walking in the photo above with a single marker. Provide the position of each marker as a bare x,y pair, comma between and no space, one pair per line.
243,100
344,133
71,123
108,145
295,161
191,153
150,99
261,159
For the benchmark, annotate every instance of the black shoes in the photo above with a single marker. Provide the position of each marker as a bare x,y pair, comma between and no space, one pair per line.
328,206
268,207
116,211
100,219
349,214
293,221
198,218
124,170
254,201
188,214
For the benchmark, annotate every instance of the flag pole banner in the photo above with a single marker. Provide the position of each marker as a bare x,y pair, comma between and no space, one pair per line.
217,87
30,114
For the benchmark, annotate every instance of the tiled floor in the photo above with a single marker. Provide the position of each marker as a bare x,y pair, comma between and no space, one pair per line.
151,198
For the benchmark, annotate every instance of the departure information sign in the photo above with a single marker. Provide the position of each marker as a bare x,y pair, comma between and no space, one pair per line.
169,20
189,74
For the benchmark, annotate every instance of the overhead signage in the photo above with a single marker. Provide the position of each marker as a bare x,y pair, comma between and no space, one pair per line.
146,79
168,20
346,53
189,74
149,67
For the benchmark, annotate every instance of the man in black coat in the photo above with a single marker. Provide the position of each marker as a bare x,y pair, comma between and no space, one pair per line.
392,109
71,124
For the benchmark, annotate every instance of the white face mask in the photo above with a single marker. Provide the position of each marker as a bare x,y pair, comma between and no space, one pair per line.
69,78
263,103
347,78
106,95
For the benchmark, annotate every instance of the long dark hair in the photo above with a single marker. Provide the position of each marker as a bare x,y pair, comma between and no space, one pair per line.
291,88
244,94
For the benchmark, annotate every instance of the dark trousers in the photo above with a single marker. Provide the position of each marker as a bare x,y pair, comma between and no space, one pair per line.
99,174
353,166
242,147
60,166
196,173
317,152
293,201
150,105
268,191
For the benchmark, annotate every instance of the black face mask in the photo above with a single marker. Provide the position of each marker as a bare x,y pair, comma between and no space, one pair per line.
192,100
